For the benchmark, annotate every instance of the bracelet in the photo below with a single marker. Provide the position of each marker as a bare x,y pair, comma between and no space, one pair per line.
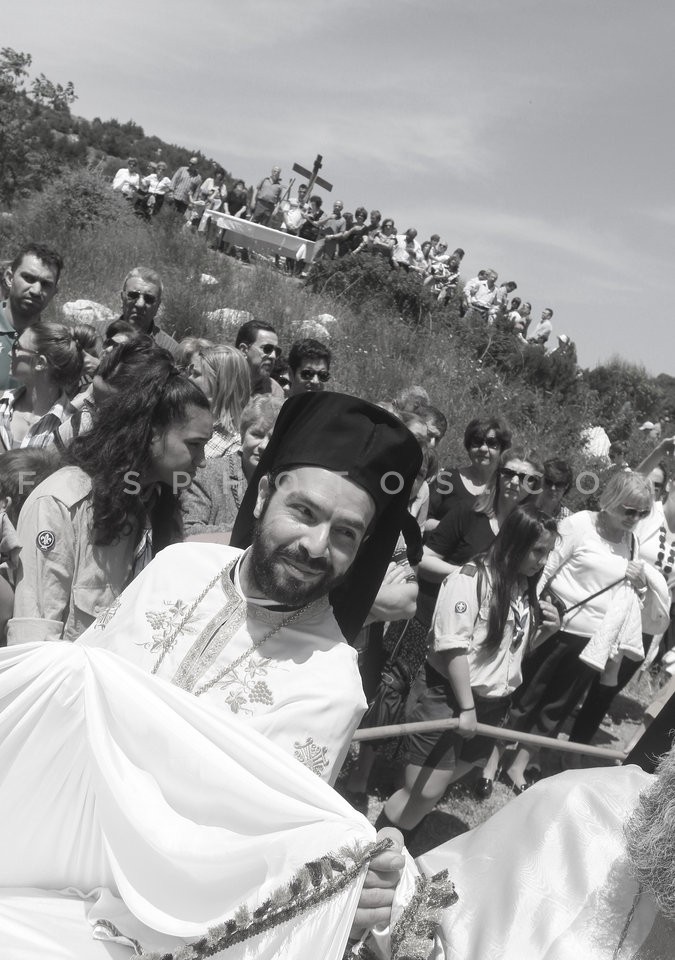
467,709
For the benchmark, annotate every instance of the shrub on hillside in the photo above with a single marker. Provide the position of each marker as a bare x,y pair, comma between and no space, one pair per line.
366,280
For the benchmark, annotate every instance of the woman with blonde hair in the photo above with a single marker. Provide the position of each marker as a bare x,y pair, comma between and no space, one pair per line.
223,374
599,582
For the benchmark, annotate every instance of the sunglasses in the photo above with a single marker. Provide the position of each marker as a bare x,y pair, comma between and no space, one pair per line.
309,374
554,484
270,349
633,513
530,480
133,295
492,443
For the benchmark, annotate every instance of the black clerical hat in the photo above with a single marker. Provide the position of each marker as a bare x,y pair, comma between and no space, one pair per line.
372,448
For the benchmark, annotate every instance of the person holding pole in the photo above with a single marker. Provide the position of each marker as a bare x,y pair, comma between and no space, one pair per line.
486,617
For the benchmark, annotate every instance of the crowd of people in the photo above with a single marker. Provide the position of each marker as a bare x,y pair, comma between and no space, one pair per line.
134,465
338,233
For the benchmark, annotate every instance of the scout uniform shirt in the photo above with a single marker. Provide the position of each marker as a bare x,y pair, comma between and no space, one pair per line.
460,623
65,581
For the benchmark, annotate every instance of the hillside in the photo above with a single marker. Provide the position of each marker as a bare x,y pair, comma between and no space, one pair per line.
45,150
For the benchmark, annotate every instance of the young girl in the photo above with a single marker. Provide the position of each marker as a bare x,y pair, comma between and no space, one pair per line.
486,617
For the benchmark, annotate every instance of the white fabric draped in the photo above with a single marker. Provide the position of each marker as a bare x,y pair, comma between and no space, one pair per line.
115,779
545,878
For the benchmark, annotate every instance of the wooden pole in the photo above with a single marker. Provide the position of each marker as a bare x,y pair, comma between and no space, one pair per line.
496,733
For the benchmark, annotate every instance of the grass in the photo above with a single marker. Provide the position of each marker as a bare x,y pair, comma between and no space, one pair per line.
376,353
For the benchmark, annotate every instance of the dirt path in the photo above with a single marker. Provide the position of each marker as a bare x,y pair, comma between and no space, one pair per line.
460,810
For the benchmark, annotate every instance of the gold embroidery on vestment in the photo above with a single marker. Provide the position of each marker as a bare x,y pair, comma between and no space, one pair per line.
214,637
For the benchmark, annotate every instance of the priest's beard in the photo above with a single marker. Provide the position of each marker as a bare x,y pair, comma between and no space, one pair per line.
650,837
278,582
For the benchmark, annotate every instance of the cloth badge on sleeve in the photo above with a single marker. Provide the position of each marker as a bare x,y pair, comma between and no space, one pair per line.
45,540
460,607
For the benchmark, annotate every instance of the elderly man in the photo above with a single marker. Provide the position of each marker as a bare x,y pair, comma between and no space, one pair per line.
265,197
407,252
309,364
141,297
185,185
234,649
31,280
260,345
480,296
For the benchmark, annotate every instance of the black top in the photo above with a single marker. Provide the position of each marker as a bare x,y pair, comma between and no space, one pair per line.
447,490
461,534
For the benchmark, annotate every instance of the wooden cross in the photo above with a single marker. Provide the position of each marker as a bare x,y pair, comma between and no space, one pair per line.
313,175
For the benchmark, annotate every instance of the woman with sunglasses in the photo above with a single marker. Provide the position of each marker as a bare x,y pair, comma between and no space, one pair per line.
656,536
484,442
594,562
486,616
47,360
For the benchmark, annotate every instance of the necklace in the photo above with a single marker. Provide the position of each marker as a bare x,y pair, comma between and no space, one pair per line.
626,926
173,636
659,564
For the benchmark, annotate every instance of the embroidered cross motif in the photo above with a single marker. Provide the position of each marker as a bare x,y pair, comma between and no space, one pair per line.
314,757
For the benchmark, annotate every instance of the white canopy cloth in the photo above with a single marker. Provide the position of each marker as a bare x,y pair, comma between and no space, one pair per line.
546,877
172,814
254,236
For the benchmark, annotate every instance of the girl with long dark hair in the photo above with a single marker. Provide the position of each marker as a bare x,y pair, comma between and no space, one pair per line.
486,618
92,526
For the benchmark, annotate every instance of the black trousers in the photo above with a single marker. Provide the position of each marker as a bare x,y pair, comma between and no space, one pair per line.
599,698
554,680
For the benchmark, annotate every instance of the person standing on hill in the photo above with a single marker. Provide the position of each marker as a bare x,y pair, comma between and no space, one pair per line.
31,279
127,180
266,196
185,185
543,330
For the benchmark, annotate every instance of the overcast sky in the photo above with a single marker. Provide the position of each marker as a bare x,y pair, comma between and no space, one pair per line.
537,135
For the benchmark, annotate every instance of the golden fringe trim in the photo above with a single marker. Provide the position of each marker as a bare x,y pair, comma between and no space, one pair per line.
413,935
315,882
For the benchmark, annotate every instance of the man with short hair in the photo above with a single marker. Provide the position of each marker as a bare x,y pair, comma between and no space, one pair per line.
31,280
480,295
265,197
255,638
329,226
407,252
185,185
309,365
260,345
543,330
127,180
141,297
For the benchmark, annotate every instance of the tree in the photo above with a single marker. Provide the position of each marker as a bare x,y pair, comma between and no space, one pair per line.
26,157
625,392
